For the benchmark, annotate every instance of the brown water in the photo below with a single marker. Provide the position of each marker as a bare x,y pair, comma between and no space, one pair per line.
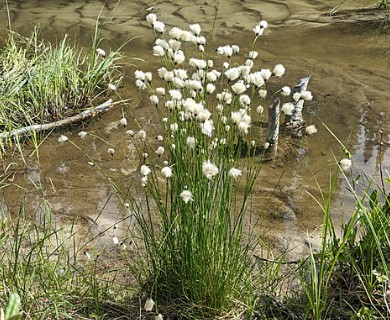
350,83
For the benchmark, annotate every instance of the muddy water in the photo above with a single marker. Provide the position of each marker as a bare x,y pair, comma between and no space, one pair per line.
350,79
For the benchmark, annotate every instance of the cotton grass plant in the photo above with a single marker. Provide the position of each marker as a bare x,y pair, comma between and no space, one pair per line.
195,218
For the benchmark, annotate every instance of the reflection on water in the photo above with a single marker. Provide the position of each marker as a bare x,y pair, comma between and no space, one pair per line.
349,83
372,145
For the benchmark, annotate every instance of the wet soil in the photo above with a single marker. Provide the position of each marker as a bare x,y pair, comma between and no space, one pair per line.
350,80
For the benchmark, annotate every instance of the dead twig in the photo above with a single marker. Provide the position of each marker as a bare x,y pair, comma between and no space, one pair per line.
60,123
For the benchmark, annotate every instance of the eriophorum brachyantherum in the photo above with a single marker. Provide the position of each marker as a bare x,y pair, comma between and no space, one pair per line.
149,304
204,101
62,139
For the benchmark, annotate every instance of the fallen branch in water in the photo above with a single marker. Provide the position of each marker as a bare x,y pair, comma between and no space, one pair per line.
60,123
273,126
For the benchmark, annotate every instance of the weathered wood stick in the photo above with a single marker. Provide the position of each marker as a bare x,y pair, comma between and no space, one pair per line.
297,117
273,121
273,125
301,86
295,120
60,123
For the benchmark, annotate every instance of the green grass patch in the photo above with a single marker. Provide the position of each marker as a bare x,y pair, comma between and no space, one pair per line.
55,275
41,82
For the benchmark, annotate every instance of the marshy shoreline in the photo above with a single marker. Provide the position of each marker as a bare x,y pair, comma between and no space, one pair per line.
80,188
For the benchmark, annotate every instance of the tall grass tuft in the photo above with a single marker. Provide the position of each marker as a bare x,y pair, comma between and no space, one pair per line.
42,83
195,218
54,275
349,277
365,259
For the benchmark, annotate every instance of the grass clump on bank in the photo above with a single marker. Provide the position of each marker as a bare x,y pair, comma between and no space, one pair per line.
42,83
54,275
349,277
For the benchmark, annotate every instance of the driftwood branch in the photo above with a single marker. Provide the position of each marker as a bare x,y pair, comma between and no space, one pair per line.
273,125
60,123
295,121
273,121
301,85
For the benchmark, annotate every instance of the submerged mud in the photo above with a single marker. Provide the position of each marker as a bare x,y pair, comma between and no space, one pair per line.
350,78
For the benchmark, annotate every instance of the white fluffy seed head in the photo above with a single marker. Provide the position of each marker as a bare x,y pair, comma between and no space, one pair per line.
345,164
253,55
260,109
263,24
191,141
234,173
123,122
288,108
262,93
101,52
160,151
115,240
266,74
151,18
311,129
176,33
236,49
82,134
145,170
286,91
244,100
279,70
160,91
210,88
239,87
159,26
62,139
207,127
154,100
258,30
187,196
296,96
149,304
158,317
158,51
162,43
112,87
142,134
306,95
195,28
197,63
232,73
166,172
209,169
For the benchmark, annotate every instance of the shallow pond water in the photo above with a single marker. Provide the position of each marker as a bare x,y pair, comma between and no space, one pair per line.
350,79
